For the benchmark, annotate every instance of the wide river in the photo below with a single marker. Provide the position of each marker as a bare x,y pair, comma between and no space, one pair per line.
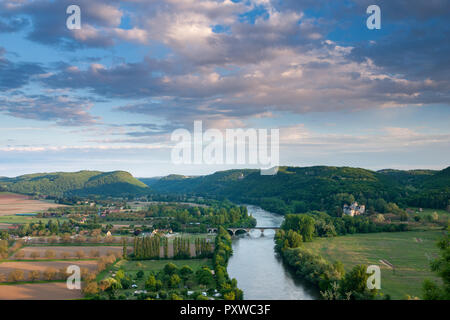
259,271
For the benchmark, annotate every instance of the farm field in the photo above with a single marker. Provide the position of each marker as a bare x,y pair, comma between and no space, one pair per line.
11,203
409,252
4,226
13,219
61,252
7,266
39,291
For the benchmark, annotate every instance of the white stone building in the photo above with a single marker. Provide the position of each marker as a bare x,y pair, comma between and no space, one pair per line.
354,209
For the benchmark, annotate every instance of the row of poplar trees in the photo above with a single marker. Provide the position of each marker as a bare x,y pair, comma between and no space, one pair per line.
149,248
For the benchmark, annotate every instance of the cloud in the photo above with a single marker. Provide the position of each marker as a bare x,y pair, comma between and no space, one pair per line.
388,139
229,62
12,25
14,75
65,110
48,20
79,148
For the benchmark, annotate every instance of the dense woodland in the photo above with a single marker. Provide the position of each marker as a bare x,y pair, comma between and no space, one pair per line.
83,183
299,190
292,190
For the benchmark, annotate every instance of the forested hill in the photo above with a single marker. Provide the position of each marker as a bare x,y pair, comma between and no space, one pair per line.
296,189
81,183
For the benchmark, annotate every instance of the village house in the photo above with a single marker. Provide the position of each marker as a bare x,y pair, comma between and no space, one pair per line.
354,209
162,231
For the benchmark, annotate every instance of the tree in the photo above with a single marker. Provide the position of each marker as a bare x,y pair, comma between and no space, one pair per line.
65,255
307,228
62,273
16,276
204,276
355,282
229,296
441,265
174,296
94,253
186,271
295,240
174,281
20,255
120,274
50,274
110,284
49,254
34,275
152,284
140,274
126,283
80,254
35,255
91,288
125,249
170,269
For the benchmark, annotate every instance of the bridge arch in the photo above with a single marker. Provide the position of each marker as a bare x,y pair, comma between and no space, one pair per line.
234,231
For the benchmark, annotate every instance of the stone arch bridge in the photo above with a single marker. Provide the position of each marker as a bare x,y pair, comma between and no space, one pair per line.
247,230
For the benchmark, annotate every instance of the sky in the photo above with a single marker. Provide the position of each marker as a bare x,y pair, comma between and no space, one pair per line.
109,96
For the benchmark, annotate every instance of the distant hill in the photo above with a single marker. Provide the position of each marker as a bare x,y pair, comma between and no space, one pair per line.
149,181
410,178
293,189
296,189
81,183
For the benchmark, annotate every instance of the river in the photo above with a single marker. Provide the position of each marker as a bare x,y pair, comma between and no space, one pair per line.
259,271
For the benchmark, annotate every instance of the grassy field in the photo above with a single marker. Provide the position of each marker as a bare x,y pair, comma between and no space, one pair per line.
426,211
156,265
408,252
12,219
193,236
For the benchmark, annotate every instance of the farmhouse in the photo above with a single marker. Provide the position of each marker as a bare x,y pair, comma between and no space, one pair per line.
354,209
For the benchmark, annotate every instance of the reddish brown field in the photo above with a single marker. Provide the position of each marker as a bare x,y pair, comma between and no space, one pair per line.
16,203
39,291
7,267
72,251
4,226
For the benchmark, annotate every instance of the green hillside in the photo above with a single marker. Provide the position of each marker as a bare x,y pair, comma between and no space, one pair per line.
75,183
296,189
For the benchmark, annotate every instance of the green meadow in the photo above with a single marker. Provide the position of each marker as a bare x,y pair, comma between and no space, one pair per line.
15,219
157,265
409,252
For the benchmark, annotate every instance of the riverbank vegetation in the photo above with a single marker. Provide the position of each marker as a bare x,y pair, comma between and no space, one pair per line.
324,250
330,278
433,290
222,253
403,257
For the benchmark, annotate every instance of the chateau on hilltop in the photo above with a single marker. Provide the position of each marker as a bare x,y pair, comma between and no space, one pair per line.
354,209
